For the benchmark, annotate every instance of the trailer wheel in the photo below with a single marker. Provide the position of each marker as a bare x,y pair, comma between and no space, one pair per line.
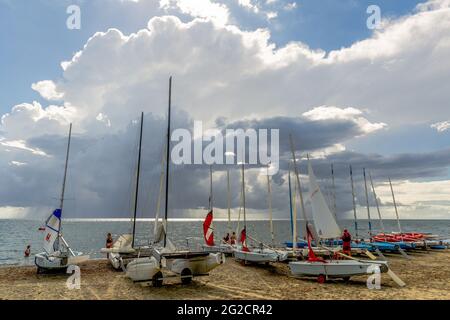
186,276
346,279
39,270
321,279
157,280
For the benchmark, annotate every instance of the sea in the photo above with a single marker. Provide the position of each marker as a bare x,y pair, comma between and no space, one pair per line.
89,235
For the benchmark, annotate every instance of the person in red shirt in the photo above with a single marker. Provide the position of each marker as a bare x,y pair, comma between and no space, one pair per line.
346,242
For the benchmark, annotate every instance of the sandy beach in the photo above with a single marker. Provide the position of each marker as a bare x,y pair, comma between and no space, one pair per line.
427,276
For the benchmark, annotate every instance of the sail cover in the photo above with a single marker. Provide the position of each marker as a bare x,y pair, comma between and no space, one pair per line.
324,221
52,229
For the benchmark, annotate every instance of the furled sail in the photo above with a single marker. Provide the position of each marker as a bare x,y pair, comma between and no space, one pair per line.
52,229
324,221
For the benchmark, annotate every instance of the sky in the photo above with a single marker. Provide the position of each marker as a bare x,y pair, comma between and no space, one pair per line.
375,99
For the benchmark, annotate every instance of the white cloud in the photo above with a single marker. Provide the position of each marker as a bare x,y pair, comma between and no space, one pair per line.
199,8
21,144
441,126
47,89
331,112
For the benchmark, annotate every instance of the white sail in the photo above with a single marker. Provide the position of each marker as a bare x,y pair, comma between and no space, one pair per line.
52,229
324,221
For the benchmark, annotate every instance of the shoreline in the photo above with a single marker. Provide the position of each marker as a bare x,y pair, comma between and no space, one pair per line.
427,276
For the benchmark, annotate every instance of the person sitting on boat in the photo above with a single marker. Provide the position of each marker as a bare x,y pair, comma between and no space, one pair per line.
27,251
109,242
226,239
346,242
233,238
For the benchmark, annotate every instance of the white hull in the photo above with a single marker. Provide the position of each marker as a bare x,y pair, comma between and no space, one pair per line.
221,248
142,269
57,261
195,266
260,255
335,268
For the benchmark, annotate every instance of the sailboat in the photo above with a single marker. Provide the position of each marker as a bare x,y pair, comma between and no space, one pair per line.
57,255
262,254
208,229
327,228
123,249
183,263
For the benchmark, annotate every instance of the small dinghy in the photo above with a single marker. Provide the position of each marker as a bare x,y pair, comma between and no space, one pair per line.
57,255
255,255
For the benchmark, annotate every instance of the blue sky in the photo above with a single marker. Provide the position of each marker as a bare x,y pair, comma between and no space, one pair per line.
34,39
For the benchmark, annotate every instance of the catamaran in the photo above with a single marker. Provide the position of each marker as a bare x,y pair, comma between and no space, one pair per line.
208,229
180,263
123,249
327,228
57,255
261,254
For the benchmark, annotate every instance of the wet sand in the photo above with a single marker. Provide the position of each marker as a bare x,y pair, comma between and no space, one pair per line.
427,276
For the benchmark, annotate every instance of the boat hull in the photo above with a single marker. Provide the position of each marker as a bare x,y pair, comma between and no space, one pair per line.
45,262
260,255
335,268
142,269
195,266
221,248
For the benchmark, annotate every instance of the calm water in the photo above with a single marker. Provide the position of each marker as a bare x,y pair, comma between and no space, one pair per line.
89,236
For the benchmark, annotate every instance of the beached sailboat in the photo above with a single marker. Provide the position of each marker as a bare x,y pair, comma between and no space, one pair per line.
208,229
327,228
57,255
261,254
123,249
180,263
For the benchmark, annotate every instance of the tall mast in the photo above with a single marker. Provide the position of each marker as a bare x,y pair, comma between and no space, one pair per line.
290,201
270,206
298,182
396,212
294,218
161,185
61,203
243,196
333,192
229,200
210,189
137,180
167,162
367,203
354,204
376,202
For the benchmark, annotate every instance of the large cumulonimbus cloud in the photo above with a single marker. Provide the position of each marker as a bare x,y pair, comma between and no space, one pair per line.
228,78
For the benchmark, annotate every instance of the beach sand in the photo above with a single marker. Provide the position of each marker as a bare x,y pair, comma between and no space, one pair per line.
427,276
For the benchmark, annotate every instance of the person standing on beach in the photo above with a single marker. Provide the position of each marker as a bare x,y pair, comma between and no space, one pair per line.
346,242
109,243
233,238
27,251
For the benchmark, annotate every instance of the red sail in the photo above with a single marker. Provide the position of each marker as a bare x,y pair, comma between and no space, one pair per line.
243,240
208,231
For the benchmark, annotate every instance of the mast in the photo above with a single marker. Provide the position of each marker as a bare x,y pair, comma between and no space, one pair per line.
270,206
61,203
161,185
396,212
376,202
137,180
290,201
294,218
243,196
367,203
229,200
210,189
167,162
333,192
354,204
298,182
